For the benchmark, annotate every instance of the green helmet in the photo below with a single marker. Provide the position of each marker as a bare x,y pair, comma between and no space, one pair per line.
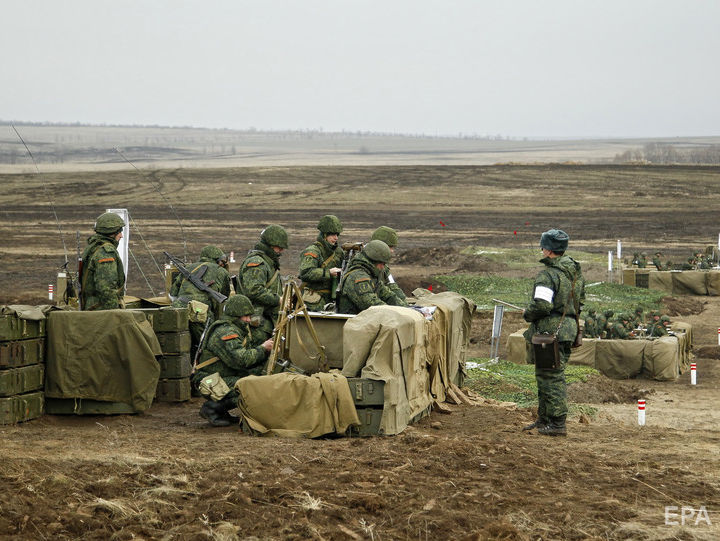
665,318
592,311
275,235
609,313
377,251
387,235
638,310
237,306
212,252
108,223
330,225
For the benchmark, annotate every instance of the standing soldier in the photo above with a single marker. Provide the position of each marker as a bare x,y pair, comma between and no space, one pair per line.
260,279
102,276
642,262
362,285
211,270
230,352
558,294
389,237
656,261
320,264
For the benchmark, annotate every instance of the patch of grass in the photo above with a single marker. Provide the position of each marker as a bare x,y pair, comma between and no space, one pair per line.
511,382
482,289
621,298
528,258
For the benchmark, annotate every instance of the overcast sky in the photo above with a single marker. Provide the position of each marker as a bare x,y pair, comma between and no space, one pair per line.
513,67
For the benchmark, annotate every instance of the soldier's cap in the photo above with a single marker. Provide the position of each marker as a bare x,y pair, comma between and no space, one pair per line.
555,240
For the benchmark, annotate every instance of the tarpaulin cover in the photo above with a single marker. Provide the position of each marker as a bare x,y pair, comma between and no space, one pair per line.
388,343
310,406
104,355
23,311
585,354
619,359
661,360
713,283
661,280
689,283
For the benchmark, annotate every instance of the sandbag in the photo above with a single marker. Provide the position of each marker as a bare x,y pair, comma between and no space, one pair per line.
310,407
689,283
106,355
619,359
660,359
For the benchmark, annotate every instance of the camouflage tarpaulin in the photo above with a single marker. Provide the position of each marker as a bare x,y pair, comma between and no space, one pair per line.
104,355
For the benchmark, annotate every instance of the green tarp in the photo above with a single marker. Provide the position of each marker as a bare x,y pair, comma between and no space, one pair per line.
102,355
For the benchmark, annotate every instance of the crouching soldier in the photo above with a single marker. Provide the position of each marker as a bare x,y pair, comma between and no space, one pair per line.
362,285
390,237
228,354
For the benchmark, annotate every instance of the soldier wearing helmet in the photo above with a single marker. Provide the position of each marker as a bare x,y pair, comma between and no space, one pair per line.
320,264
260,281
102,278
211,270
389,236
230,351
362,285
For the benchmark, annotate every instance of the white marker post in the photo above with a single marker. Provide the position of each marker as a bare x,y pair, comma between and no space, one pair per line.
610,266
693,374
718,336
619,249
641,412
51,291
232,257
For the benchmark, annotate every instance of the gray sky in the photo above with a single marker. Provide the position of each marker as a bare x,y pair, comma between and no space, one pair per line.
533,68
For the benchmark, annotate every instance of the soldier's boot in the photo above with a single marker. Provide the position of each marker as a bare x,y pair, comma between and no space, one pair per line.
538,423
555,427
225,405
213,412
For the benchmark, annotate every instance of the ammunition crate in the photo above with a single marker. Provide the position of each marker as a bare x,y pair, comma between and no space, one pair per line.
174,343
22,407
14,328
85,406
369,423
173,390
22,353
367,392
175,366
21,380
642,280
167,319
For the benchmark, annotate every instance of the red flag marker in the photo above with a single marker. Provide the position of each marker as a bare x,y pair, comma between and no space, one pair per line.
430,287
442,224
515,233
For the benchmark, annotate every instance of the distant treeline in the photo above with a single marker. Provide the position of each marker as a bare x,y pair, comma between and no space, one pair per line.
669,154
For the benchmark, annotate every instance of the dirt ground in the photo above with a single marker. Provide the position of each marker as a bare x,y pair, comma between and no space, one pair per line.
471,474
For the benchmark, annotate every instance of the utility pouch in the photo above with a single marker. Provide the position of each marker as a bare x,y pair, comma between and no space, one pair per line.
197,311
213,387
546,351
310,296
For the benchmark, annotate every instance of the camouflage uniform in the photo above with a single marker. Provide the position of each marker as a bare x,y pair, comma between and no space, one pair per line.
260,281
642,262
618,329
362,285
590,330
315,263
553,294
656,261
389,237
103,276
602,321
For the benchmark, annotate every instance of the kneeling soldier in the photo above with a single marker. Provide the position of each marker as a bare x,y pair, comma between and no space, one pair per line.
230,354
320,264
389,237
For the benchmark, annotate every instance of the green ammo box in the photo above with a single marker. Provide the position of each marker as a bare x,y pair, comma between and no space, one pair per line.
22,407
167,318
367,392
369,423
14,328
174,343
22,352
85,406
175,366
21,380
173,390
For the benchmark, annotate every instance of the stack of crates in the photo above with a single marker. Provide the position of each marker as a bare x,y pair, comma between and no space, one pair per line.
171,328
369,398
22,369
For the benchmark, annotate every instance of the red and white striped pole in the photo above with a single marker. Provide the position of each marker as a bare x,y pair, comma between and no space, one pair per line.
641,412
718,336
693,374
51,291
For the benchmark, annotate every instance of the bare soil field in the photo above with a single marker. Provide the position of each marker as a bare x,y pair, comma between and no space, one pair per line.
470,474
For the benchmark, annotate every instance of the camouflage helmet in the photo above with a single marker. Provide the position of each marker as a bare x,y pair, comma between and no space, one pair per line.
643,254
555,240
330,225
212,252
108,223
639,310
377,251
609,313
238,306
275,235
385,234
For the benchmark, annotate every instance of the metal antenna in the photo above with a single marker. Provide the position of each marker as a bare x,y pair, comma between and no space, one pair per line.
157,188
47,195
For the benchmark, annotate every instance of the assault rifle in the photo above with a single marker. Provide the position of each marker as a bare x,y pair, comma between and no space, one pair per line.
195,278
350,248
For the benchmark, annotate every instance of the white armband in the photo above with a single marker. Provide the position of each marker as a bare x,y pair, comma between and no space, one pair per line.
391,280
544,294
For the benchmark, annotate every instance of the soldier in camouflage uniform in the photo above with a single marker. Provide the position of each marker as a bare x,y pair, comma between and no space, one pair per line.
230,350
590,329
637,317
657,327
362,285
102,280
559,289
642,262
656,261
618,328
389,237
210,270
320,264
260,281
602,323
